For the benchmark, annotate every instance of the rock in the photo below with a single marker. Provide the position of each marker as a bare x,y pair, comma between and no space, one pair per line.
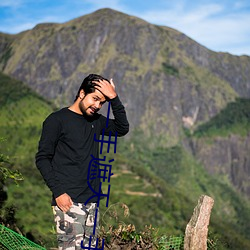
197,228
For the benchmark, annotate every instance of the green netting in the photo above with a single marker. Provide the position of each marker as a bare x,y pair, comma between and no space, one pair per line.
10,240
14,241
172,243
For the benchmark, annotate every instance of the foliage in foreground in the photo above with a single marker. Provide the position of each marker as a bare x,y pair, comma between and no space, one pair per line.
7,214
125,236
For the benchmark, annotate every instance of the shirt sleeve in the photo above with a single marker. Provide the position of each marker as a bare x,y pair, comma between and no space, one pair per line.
50,135
119,125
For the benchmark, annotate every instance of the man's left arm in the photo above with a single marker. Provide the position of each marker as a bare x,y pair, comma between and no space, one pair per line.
120,123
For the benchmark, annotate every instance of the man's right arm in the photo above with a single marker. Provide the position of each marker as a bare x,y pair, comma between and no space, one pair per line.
50,135
47,145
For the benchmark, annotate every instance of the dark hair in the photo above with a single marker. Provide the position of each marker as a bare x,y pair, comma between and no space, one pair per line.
88,86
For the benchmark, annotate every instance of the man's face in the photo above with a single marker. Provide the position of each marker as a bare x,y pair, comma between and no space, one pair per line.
91,103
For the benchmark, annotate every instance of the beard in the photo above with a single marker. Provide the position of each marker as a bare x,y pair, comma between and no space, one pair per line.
82,107
87,111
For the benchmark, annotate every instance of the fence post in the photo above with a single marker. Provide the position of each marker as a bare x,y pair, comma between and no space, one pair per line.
197,228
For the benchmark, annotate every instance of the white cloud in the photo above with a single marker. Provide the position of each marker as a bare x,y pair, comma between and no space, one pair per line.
20,27
207,24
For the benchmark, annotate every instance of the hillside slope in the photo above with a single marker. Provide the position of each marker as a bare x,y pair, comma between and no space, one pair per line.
161,74
159,185
223,143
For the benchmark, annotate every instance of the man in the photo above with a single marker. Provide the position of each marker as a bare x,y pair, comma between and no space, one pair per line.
64,152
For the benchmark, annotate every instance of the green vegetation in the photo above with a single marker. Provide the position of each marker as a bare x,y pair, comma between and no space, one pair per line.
22,113
6,56
5,171
181,180
149,238
158,186
6,49
170,70
234,118
7,214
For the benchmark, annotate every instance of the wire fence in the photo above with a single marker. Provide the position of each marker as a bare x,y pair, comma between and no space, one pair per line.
172,243
10,240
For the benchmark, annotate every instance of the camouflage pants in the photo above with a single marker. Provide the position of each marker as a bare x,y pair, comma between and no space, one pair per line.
75,227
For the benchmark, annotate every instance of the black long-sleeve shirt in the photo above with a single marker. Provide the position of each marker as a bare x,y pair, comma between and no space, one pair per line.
65,149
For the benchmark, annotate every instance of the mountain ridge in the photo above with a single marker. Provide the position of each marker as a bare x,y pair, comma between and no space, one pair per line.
166,80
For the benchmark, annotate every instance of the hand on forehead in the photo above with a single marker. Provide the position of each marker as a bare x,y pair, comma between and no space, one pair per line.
106,88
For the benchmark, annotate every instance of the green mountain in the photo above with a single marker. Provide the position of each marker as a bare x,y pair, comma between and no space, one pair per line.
160,185
188,108
161,74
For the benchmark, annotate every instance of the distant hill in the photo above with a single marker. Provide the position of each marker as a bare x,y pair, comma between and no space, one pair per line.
222,144
161,74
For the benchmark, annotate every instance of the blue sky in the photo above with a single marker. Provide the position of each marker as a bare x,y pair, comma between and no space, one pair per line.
222,25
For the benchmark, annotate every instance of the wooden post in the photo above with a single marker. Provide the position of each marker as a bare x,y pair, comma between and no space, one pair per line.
197,228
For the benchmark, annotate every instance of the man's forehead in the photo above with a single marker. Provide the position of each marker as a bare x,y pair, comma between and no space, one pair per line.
99,94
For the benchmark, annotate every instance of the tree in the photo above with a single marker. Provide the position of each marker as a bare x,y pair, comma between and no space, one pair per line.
7,215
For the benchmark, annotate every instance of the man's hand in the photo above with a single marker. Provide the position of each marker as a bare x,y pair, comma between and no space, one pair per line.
64,202
108,89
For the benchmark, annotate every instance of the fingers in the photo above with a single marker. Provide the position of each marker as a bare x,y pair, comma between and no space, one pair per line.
112,83
66,207
101,83
64,202
107,88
